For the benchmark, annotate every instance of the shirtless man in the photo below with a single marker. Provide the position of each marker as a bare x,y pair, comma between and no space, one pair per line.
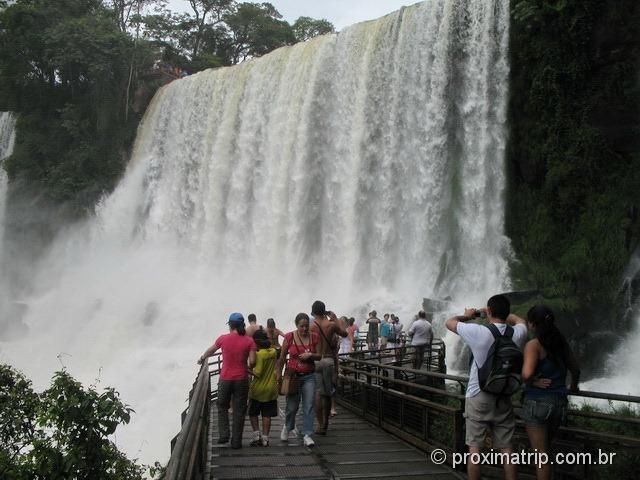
253,325
327,326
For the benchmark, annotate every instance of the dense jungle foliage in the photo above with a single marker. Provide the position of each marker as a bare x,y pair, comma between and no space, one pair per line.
573,202
70,69
62,433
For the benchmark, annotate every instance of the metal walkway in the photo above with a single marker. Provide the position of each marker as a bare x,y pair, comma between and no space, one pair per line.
393,416
353,448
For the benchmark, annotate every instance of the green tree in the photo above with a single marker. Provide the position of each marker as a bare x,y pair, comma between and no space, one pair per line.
62,433
212,10
306,28
67,69
127,11
256,29
19,406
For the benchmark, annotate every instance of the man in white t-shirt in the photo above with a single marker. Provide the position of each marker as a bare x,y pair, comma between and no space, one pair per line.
483,412
421,335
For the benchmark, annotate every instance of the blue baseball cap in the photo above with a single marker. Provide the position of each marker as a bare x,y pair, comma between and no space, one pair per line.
236,317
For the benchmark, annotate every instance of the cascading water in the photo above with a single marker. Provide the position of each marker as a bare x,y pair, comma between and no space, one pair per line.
362,167
619,371
7,137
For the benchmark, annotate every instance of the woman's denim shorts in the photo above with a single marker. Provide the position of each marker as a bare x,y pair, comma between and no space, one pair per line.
550,410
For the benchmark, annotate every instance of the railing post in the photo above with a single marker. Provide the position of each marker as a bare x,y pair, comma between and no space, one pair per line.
379,397
458,436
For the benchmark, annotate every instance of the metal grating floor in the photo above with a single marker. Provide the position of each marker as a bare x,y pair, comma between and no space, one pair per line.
353,449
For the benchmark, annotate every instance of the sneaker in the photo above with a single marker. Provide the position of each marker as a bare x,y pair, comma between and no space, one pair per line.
294,433
284,435
308,441
265,441
257,440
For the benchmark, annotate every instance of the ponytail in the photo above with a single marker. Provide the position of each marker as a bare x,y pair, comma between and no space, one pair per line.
543,319
238,327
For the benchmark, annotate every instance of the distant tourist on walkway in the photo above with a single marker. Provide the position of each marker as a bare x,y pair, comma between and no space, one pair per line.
238,353
301,347
273,334
385,331
484,411
346,343
547,357
421,334
372,334
253,325
395,340
355,330
327,326
395,337
263,392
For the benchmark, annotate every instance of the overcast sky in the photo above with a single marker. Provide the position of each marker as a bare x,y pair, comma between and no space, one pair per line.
341,13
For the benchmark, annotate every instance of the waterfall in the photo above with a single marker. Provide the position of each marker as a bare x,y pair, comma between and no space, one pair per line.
7,137
618,372
362,168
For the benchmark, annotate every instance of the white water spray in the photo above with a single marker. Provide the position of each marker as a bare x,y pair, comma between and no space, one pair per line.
620,374
7,137
363,167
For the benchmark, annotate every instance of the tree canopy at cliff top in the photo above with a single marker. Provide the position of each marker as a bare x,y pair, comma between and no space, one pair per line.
69,69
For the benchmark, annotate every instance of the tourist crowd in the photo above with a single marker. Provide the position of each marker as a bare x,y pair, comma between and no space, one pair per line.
257,367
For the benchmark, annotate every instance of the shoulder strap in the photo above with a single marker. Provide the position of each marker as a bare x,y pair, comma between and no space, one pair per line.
325,337
508,332
496,333
494,330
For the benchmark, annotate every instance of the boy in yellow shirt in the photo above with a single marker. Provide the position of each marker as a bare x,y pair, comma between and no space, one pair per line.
263,391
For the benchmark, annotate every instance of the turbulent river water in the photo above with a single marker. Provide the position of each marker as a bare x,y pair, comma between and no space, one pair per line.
365,168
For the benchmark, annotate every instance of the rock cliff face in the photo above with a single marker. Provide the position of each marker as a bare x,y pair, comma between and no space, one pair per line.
573,203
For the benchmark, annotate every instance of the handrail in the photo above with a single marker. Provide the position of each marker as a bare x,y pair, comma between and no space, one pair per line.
414,385
189,447
428,373
605,396
431,416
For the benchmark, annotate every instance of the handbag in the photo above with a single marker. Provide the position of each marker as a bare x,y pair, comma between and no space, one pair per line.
289,384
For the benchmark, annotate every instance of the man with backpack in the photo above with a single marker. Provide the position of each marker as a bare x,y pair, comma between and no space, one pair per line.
494,376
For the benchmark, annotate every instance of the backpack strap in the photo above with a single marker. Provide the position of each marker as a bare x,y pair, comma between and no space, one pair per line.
496,333
508,331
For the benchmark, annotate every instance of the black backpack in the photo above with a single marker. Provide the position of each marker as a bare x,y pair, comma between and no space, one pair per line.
501,372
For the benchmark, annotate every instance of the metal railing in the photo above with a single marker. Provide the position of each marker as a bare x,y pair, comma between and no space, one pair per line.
425,408
429,414
433,358
189,453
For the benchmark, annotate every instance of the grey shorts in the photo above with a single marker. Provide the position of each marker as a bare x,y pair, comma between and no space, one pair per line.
325,370
484,416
